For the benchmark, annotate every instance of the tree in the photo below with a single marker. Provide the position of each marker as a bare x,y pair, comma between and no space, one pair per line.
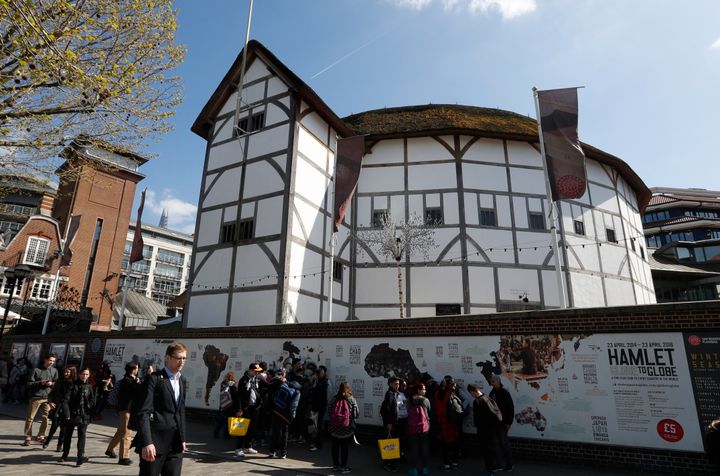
411,237
96,68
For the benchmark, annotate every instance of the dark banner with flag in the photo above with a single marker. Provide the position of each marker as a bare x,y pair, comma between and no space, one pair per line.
136,253
350,152
558,109
72,230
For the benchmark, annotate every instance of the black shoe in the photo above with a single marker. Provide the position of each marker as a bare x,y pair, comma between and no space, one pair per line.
82,460
63,459
125,461
111,454
45,445
58,449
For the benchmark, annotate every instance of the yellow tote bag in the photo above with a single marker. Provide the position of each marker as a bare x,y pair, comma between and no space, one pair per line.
389,448
238,426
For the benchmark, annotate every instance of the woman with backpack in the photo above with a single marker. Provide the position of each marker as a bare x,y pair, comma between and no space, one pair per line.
343,411
418,431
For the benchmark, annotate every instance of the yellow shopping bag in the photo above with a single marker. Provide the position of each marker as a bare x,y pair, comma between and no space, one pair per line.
238,426
389,448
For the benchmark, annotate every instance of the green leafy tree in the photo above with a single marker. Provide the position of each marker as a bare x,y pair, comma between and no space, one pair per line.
92,68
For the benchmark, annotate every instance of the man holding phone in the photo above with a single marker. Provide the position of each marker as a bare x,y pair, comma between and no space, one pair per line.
39,385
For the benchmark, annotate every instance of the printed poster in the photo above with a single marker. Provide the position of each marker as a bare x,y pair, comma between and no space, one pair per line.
33,353
703,357
618,389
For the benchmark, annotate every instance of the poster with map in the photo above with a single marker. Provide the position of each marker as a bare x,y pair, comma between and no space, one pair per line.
618,389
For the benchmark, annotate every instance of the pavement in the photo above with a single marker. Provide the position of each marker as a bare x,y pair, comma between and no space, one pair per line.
208,456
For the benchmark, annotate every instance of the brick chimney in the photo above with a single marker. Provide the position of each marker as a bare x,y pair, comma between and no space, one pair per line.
47,201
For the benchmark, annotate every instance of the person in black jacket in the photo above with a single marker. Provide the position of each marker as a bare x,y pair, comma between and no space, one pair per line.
505,403
59,393
78,410
488,427
389,414
126,394
250,391
160,439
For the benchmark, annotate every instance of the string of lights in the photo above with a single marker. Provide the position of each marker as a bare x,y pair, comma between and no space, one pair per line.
318,271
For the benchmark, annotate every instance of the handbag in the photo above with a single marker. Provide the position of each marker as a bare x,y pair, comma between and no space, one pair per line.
225,399
389,448
238,426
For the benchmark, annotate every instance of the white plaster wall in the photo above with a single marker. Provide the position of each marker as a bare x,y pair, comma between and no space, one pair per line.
257,70
223,130
261,178
485,150
226,189
377,313
397,208
312,224
521,212
206,311
422,149
317,126
364,212
588,256
215,272
450,202
587,290
504,217
269,218
274,115
498,240
515,282
383,179
230,104
439,284
310,182
253,308
596,173
484,177
312,148
208,229
550,289
305,268
619,292
385,152
522,153
223,155
275,86
268,141
529,242
253,93
472,215
309,308
482,285
415,204
247,211
377,285
442,237
208,181
432,176
251,263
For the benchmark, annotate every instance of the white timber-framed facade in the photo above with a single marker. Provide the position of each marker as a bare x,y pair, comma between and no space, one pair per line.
262,253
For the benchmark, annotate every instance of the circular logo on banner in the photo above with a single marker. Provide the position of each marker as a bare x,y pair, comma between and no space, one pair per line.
570,186
95,346
670,430
694,340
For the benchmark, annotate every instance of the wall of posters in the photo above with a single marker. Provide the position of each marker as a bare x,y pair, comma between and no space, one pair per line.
59,351
618,389
32,353
703,357
75,355
17,350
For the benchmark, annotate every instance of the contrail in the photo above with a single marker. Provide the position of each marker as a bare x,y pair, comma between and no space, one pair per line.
348,55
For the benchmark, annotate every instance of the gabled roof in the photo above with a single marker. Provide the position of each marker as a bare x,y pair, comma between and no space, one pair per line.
203,124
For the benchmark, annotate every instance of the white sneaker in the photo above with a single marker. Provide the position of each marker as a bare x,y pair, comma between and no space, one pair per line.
251,451
240,453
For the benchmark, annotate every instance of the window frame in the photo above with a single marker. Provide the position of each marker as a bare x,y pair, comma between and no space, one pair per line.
337,271
35,254
536,215
487,211
246,229
377,217
429,211
579,227
610,235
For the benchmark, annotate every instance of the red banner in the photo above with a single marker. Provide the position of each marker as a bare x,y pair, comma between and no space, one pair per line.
350,152
136,253
563,154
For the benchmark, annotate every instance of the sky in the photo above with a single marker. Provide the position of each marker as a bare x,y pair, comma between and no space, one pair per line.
650,71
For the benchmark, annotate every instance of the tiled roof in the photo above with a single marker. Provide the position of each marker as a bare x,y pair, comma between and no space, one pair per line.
662,264
663,199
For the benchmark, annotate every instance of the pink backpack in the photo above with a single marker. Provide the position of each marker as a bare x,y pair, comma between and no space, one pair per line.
340,414
417,422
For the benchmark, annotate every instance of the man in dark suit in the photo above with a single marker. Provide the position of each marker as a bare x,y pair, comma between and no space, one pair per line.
160,439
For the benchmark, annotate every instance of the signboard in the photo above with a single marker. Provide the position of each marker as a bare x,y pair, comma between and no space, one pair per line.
617,389
75,355
59,351
17,350
703,358
33,353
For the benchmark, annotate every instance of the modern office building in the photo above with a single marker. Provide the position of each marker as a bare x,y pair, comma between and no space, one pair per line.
163,272
682,231
262,250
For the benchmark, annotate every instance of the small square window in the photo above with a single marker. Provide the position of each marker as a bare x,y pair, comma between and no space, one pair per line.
379,218
537,221
610,234
433,216
642,252
227,234
257,122
632,244
488,217
246,229
337,271
579,227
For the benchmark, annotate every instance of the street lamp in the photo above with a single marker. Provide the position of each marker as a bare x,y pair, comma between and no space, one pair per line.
13,275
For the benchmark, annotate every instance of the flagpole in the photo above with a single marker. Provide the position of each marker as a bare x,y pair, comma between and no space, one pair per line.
554,216
242,70
53,292
121,320
333,238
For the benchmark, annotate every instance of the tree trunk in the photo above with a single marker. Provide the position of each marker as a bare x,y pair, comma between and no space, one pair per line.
400,292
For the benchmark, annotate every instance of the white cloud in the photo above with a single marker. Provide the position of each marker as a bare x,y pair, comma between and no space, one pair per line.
181,214
508,9
716,45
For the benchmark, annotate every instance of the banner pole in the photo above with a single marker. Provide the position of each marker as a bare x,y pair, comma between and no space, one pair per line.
243,64
554,215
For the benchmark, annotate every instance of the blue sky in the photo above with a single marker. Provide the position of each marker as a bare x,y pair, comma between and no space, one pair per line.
651,70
